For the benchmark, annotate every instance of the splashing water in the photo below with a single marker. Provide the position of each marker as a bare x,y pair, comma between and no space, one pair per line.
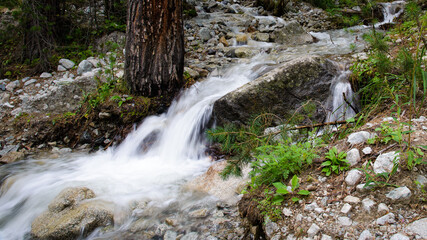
341,95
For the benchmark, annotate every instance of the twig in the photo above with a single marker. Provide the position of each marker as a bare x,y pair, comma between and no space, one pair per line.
349,104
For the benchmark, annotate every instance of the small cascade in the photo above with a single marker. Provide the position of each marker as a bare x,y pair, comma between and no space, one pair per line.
391,11
342,96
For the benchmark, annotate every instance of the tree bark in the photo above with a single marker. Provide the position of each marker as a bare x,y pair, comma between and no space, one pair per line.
154,47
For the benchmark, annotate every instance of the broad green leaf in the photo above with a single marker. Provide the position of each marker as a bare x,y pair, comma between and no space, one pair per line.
327,163
278,199
304,192
294,182
295,199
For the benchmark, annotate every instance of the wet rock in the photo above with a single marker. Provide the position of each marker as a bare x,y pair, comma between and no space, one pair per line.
190,236
85,137
194,74
418,227
84,66
244,52
170,235
66,63
301,79
386,219
224,41
205,34
241,39
262,37
400,193
353,156
399,236
11,157
385,162
353,177
313,230
46,75
200,213
359,137
69,216
291,34
366,235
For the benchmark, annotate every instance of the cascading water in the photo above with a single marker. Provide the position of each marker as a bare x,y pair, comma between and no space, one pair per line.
391,11
132,171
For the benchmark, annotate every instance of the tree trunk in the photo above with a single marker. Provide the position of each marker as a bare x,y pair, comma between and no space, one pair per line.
154,47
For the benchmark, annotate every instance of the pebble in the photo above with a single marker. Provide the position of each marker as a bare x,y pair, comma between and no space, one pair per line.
66,63
199,213
385,162
353,177
388,218
351,199
29,82
399,236
345,221
367,150
366,235
313,230
382,208
311,206
326,237
400,193
287,212
46,75
367,204
353,156
346,208
358,137
190,236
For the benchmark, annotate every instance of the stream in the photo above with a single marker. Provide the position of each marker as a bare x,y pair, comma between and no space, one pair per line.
164,152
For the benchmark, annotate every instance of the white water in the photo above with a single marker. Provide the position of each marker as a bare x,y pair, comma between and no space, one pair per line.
128,172
338,108
391,11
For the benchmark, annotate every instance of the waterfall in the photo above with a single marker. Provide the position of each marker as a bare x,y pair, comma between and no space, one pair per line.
391,10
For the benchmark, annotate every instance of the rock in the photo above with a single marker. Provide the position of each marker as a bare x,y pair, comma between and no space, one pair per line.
326,237
46,75
382,208
359,137
353,156
400,193
291,34
351,199
271,228
11,86
199,213
422,181
366,235
66,63
104,115
346,208
399,236
60,68
69,216
262,37
345,221
241,39
29,82
419,228
205,34
11,157
170,235
388,218
367,204
194,74
84,66
367,150
190,236
244,52
2,87
224,41
287,212
313,230
385,162
302,79
104,43
353,177
311,206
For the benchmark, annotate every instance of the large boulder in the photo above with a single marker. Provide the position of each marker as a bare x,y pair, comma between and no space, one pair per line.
291,34
71,214
280,91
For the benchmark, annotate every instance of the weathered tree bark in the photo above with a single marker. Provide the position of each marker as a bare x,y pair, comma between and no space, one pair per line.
154,47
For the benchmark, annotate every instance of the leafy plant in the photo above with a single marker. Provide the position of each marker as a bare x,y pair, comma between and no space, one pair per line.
415,156
282,191
336,162
374,180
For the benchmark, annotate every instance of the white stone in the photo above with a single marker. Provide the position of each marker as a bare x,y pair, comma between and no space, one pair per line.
421,119
399,236
11,86
46,75
366,235
418,227
66,63
382,208
120,74
287,212
346,208
84,66
345,221
313,230
388,218
61,68
400,193
29,82
385,162
326,237
388,119
311,206
359,137
353,156
367,150
353,177
422,180
361,187
351,199
271,228
367,204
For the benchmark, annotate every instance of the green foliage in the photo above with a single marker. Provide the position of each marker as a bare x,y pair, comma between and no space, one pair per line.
276,162
282,191
269,209
415,156
336,162
375,180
